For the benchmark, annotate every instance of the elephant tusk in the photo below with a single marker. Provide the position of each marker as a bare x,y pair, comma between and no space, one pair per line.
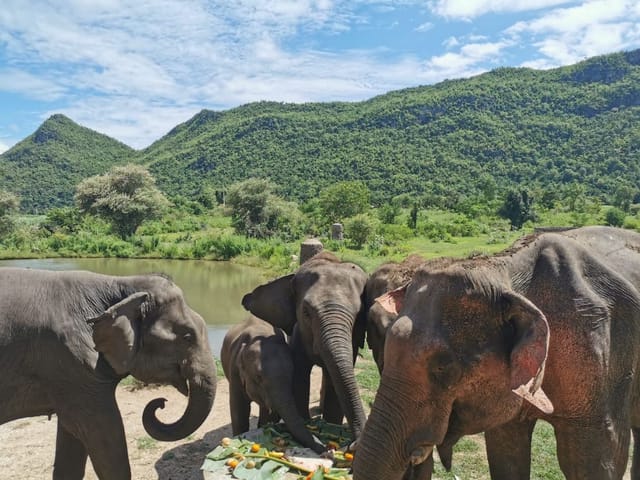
420,454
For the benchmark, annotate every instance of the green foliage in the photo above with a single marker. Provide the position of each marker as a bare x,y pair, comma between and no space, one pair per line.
359,229
125,196
44,168
614,217
446,145
256,211
343,200
517,208
470,138
64,219
412,222
9,204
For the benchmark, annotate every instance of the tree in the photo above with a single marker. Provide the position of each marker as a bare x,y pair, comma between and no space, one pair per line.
359,229
343,200
517,208
614,217
9,204
412,221
256,211
125,196
622,197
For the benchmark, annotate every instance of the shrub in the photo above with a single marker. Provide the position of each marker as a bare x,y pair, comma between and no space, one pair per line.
614,217
358,229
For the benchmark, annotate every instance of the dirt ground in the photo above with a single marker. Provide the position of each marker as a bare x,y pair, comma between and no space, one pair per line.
27,445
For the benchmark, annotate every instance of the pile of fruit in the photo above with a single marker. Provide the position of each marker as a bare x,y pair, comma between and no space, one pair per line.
271,453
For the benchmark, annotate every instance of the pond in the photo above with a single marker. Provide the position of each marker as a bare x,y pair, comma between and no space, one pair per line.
213,289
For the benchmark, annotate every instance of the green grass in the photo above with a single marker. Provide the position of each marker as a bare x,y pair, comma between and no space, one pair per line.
146,443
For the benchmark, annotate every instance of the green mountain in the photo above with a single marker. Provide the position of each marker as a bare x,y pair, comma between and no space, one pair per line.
44,168
578,123
517,126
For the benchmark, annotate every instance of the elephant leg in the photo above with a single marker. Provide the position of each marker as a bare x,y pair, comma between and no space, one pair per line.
239,407
635,463
301,376
509,450
102,432
331,410
71,456
593,451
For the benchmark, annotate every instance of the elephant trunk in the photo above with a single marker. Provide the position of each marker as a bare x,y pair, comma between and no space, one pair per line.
337,354
381,451
202,391
284,404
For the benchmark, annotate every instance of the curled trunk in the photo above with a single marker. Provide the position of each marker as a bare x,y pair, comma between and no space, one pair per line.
201,395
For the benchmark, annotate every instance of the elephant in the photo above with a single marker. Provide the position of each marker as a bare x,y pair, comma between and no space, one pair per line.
68,338
321,307
386,277
258,364
548,329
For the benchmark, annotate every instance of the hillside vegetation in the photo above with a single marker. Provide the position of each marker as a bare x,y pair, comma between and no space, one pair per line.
44,168
540,129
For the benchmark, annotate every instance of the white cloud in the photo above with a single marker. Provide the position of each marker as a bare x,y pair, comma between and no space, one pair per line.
424,27
568,35
3,146
133,70
468,9
470,54
30,85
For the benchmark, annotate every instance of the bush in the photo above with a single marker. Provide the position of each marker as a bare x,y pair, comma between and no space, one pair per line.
358,229
614,217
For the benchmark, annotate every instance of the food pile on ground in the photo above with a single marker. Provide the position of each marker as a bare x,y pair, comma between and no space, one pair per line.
272,453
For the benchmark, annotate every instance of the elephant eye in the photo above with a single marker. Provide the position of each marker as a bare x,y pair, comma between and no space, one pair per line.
188,337
445,370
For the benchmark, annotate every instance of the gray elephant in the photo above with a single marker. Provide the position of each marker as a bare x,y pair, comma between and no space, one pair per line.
321,306
547,330
258,364
386,277
68,338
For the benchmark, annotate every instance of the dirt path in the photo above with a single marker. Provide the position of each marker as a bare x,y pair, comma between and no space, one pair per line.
27,445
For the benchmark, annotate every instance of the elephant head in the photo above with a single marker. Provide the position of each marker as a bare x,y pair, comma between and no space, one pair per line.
464,354
388,276
258,364
322,302
154,335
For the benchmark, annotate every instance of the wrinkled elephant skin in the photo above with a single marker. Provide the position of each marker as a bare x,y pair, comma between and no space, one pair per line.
548,330
68,338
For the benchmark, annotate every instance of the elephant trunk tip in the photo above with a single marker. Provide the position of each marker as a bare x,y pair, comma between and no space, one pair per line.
198,408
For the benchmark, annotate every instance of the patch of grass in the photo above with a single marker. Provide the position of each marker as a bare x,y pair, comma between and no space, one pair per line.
146,443
132,384
367,376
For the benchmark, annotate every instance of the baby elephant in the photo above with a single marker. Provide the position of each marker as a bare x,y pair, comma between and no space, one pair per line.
258,363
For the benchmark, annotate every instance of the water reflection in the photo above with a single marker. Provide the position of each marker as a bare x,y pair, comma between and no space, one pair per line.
213,289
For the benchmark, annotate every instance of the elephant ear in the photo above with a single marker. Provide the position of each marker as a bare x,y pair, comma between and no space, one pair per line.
529,352
274,302
116,331
393,301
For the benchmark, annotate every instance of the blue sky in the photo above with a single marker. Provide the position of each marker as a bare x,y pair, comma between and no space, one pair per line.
135,69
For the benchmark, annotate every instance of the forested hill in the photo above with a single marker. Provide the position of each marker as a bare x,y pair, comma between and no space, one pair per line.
44,168
579,123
